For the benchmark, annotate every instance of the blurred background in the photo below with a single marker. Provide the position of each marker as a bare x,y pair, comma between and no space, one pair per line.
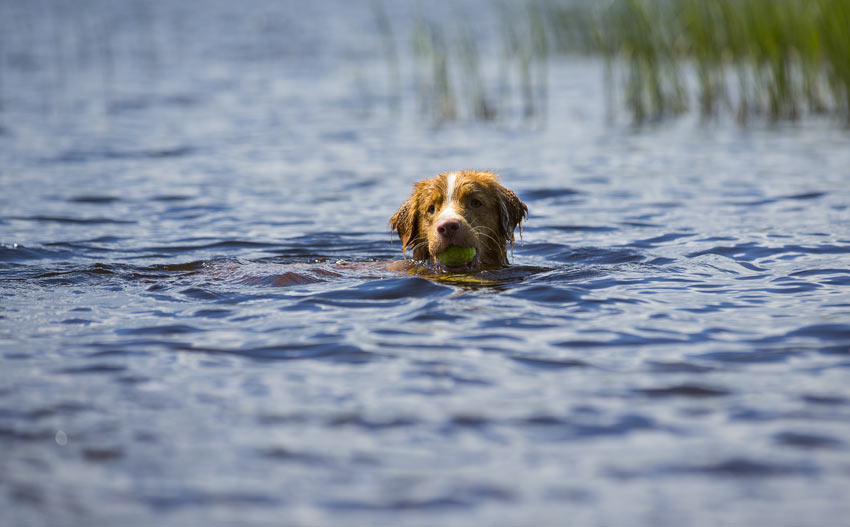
474,60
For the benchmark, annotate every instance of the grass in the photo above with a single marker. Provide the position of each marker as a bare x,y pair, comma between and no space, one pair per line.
782,59
774,59
452,72
766,59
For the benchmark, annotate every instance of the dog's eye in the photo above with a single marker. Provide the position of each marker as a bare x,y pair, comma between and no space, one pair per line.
431,209
475,203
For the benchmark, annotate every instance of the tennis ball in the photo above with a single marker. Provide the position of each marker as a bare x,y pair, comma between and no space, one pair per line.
456,256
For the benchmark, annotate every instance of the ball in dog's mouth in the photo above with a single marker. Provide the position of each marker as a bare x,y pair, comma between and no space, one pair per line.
456,256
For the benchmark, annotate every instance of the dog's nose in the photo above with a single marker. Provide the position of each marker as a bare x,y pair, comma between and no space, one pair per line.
448,227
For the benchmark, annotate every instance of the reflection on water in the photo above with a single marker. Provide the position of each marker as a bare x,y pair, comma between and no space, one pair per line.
198,325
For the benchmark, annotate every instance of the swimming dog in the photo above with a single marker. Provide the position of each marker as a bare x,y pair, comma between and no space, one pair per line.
464,210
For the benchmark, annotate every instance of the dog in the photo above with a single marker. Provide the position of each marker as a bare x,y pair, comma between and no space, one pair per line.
467,209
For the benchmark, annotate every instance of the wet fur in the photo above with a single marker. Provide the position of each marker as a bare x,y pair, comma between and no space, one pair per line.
488,214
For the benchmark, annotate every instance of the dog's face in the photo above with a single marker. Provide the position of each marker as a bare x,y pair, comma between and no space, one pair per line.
464,209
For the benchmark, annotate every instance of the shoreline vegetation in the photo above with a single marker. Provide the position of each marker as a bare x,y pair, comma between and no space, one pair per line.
768,59
747,60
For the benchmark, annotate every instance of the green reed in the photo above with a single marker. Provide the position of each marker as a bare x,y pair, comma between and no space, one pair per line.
782,59
453,69
390,53
779,59
434,89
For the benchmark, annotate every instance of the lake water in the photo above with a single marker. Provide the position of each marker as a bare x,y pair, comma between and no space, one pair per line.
193,330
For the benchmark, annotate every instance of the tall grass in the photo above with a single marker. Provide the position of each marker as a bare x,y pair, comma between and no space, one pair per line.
434,90
452,71
390,53
782,59
774,59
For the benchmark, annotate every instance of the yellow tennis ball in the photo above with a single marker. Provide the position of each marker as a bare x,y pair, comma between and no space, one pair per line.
456,256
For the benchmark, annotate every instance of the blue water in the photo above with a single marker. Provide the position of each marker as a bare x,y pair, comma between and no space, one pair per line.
196,328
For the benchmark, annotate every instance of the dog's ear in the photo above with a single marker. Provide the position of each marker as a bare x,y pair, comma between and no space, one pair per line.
404,222
511,213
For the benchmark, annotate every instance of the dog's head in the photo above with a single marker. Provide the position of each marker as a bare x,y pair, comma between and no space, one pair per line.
463,209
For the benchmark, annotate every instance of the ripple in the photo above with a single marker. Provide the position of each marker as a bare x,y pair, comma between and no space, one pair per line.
538,194
287,455
549,294
332,351
581,228
388,289
758,356
620,339
678,367
26,434
818,272
746,468
806,440
180,498
550,363
805,196
752,251
77,321
685,390
599,256
68,219
93,368
58,409
165,329
199,293
82,156
218,244
13,253
94,199
443,502
560,428
27,494
170,197
212,313
793,290
828,400
76,275
361,421
840,332
102,454
660,240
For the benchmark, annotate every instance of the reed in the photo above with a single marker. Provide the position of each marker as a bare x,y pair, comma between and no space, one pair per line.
450,65
472,78
775,59
390,53
433,84
782,59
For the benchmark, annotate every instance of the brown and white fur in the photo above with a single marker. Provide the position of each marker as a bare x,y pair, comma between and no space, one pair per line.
467,209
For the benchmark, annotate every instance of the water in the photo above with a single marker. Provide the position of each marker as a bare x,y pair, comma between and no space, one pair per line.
195,327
